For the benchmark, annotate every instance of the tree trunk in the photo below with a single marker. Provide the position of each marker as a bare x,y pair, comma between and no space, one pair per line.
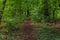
28,12
46,10
1,12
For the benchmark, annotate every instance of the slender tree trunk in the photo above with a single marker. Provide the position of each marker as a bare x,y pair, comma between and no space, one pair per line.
1,12
46,9
28,12
59,2
21,9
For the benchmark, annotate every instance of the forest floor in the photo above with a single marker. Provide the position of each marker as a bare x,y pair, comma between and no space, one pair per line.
51,31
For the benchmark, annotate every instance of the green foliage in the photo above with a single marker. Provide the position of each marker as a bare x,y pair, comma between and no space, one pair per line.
46,34
12,38
15,12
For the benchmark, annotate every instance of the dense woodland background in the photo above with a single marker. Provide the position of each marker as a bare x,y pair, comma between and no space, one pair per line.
17,10
13,13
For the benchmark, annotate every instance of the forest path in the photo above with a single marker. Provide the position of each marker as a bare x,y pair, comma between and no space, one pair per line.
56,24
28,25
27,30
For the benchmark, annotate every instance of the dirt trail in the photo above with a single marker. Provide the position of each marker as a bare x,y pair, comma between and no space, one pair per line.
27,30
56,24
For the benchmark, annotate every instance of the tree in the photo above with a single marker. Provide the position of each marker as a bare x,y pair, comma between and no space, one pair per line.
28,11
1,12
46,9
